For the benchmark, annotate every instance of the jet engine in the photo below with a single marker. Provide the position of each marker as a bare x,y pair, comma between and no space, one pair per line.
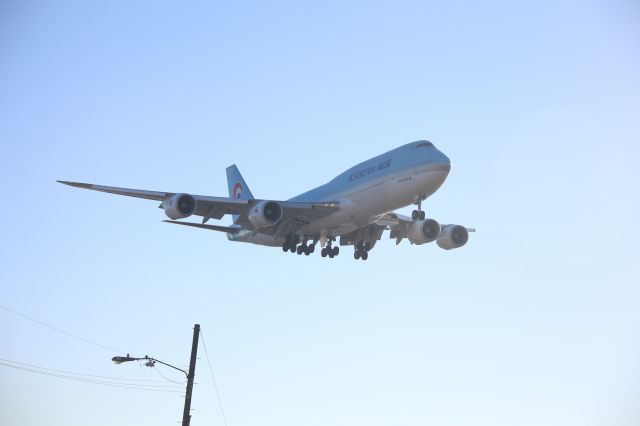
423,231
452,236
265,213
179,206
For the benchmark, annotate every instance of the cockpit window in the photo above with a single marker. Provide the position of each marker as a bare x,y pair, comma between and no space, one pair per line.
424,144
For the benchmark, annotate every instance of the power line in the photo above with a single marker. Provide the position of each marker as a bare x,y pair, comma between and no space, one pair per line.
215,386
60,330
166,378
150,388
80,374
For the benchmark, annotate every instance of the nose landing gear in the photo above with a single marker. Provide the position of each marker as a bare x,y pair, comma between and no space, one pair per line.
418,214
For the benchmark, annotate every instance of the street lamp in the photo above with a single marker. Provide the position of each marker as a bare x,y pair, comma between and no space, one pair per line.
186,414
150,362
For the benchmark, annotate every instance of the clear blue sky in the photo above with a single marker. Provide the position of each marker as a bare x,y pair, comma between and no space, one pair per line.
536,321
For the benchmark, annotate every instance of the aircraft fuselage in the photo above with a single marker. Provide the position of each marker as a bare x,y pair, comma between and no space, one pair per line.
384,183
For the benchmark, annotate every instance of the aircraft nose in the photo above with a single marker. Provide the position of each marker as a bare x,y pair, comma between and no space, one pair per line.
443,164
444,160
447,166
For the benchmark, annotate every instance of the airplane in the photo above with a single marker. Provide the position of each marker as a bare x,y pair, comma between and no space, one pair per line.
356,206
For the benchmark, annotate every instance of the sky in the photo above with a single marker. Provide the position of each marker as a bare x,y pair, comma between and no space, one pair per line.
535,321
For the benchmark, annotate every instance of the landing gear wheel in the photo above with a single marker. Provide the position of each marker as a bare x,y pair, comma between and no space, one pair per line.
335,251
323,252
356,255
364,255
285,247
300,249
312,248
418,215
292,248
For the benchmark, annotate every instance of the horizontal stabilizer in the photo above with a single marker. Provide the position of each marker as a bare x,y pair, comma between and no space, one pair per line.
232,230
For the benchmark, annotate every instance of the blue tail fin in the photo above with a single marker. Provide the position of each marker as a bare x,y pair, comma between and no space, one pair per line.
237,186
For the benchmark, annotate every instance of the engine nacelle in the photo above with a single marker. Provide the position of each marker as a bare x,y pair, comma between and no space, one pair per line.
423,231
179,206
265,213
452,236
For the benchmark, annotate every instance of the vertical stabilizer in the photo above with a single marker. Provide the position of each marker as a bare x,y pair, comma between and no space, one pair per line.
237,186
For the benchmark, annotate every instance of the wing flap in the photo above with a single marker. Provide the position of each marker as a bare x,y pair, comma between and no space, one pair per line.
217,207
308,212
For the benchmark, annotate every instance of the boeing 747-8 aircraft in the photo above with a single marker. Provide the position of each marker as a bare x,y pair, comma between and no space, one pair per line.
357,206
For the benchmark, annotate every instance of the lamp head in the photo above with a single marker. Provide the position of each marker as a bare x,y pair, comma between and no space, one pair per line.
121,359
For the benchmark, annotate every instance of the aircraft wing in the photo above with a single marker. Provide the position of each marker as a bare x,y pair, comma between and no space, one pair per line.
399,225
294,214
209,207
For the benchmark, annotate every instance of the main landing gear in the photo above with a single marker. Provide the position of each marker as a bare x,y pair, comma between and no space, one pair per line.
305,248
330,251
292,244
307,245
362,251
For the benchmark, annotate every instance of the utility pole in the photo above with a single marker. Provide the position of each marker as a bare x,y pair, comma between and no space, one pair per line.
186,415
